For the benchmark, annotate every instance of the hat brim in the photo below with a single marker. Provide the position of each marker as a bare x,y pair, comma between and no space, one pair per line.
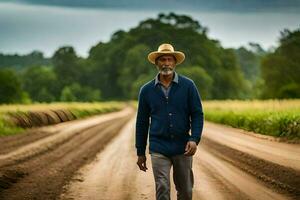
177,54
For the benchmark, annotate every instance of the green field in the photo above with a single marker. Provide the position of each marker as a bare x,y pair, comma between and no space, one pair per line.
79,110
280,118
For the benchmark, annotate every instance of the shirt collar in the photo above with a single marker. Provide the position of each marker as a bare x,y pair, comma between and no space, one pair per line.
175,78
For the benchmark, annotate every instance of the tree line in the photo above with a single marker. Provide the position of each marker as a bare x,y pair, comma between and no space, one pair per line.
115,70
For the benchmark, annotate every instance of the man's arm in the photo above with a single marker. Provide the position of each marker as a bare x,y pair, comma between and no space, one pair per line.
196,112
142,124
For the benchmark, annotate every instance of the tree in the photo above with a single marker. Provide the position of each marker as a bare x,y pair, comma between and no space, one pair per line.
67,95
281,69
115,62
134,67
10,87
44,96
138,83
202,80
41,83
228,78
66,66
249,62
76,92
106,61
20,62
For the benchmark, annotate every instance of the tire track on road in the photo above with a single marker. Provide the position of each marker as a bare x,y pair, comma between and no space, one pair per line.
114,175
44,175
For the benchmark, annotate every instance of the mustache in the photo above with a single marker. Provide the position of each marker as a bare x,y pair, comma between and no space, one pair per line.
166,70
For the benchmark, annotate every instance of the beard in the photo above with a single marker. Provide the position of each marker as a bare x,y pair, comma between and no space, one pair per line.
166,70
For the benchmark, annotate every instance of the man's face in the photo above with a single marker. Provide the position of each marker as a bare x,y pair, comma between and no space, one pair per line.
166,64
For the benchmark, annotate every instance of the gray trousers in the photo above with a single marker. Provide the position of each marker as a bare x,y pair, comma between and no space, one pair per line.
182,175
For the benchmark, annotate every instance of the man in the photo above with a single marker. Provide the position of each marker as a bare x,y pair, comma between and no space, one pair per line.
173,105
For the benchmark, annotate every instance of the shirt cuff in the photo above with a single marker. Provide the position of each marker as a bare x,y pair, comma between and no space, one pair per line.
141,152
197,140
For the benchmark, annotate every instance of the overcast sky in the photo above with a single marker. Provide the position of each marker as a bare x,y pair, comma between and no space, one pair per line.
28,27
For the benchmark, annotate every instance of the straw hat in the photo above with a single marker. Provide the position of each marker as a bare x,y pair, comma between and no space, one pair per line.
166,49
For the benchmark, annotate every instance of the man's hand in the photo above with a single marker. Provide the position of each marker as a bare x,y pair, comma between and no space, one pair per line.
190,148
142,163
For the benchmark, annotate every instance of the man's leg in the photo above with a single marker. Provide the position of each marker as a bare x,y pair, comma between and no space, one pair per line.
183,176
161,166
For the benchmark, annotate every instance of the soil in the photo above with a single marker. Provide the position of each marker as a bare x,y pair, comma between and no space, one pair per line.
95,158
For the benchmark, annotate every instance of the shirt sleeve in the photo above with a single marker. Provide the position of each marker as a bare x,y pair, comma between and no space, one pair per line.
196,113
142,124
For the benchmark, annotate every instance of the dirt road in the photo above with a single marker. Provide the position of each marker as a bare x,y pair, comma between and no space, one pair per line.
95,159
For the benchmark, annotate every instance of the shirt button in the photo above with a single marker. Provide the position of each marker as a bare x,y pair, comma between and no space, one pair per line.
170,114
171,125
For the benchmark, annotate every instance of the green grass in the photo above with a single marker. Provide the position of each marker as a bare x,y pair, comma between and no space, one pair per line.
80,110
272,117
7,128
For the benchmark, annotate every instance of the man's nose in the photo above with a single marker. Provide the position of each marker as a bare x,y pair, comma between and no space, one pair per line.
167,62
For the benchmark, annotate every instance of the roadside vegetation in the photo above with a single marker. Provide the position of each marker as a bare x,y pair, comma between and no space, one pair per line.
279,118
15,118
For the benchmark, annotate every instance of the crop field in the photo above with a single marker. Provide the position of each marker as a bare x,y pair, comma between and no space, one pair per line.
14,118
270,117
279,118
